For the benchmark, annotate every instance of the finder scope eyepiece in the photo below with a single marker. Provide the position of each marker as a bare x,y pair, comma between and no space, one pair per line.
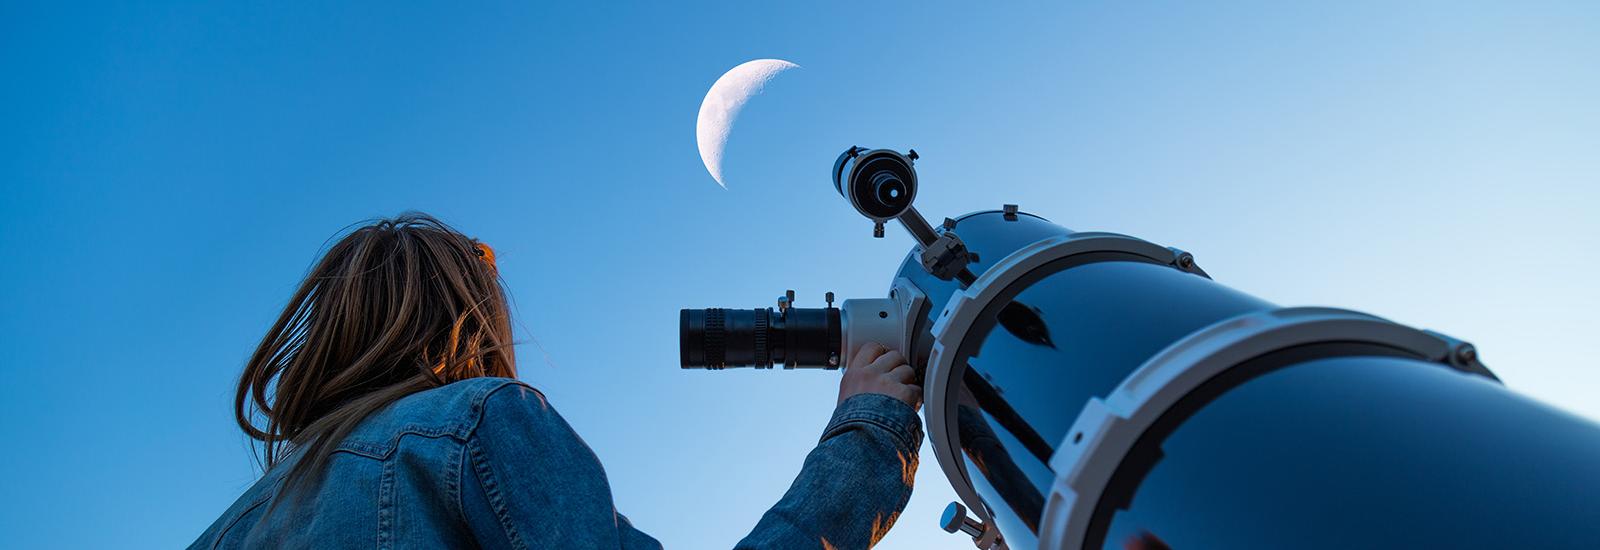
717,338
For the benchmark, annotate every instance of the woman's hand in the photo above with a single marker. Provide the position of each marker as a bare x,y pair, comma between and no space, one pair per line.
875,369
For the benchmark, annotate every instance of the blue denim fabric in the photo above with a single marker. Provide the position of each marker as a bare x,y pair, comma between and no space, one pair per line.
488,463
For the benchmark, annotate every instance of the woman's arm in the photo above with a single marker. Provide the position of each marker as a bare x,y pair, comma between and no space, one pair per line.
529,481
853,485
858,479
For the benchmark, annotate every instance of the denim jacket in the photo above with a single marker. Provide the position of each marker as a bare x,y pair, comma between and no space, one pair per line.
488,463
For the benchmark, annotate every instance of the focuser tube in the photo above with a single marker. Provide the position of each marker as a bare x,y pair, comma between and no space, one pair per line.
794,337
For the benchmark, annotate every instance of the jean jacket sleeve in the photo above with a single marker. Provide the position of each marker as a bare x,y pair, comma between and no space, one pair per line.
853,484
529,481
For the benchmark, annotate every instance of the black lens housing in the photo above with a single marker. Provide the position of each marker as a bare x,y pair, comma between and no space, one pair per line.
717,338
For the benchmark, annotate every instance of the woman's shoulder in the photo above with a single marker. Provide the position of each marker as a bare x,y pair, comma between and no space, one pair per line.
463,400
452,410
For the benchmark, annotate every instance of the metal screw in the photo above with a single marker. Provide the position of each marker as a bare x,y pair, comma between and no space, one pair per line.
1186,260
877,230
829,298
912,154
1466,354
1009,212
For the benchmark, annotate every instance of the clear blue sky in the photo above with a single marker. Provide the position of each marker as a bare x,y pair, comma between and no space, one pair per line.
170,171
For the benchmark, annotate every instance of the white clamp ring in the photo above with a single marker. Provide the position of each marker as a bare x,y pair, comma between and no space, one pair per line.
1107,429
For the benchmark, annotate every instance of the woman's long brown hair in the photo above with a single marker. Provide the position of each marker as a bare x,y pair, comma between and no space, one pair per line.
395,307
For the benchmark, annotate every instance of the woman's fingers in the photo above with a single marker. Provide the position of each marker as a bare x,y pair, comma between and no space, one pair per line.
877,369
888,361
911,394
868,353
903,374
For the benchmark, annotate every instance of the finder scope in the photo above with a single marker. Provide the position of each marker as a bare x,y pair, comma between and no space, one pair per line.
879,183
717,338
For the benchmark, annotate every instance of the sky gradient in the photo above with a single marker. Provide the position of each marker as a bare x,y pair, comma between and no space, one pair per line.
170,171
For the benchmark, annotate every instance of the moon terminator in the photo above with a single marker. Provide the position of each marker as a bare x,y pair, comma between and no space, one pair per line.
722,104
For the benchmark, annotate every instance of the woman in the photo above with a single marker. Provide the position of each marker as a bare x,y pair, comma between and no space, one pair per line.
386,400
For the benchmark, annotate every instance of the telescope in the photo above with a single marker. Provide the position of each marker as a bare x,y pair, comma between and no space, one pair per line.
1095,390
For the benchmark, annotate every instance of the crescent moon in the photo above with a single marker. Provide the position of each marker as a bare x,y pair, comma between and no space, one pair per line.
723,103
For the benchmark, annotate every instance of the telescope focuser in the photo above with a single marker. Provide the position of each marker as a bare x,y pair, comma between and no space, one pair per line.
717,338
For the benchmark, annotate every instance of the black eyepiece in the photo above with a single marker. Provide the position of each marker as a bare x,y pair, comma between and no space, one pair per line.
716,338
887,187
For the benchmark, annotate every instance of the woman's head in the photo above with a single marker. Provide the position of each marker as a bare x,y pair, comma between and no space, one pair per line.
394,307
